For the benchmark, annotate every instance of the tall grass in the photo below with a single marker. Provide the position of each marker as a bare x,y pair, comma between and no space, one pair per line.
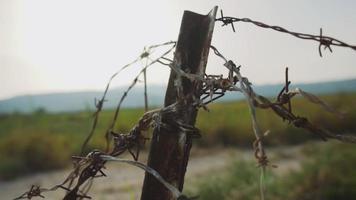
226,124
328,173
230,123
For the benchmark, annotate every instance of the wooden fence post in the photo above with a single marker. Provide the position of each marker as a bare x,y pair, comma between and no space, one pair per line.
169,153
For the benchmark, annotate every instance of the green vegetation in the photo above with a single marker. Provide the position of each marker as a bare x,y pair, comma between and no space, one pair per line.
230,123
45,141
328,174
34,152
242,176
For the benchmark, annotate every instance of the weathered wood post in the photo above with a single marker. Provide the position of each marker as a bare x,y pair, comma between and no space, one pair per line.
169,153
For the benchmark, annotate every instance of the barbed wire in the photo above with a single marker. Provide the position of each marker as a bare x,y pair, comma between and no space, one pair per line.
35,191
99,105
176,193
117,110
283,98
324,41
285,112
87,168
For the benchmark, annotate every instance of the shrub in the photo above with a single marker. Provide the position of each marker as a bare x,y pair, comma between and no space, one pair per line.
31,152
328,173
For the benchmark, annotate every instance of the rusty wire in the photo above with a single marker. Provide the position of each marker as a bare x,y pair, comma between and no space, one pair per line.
117,110
284,97
87,168
99,105
91,166
285,112
324,41
35,191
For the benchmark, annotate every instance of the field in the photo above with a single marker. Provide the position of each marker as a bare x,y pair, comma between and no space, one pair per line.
44,141
314,171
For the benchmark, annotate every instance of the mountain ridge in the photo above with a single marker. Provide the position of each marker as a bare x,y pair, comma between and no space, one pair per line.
85,100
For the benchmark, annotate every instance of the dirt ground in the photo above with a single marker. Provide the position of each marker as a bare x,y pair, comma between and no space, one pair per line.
124,182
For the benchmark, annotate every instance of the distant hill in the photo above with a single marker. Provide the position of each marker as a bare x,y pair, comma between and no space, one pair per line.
329,87
76,101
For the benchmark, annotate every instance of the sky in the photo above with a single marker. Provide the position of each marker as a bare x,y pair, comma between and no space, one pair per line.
74,45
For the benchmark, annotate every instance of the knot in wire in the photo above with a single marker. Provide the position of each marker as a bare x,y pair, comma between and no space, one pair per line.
226,20
145,53
99,103
35,191
156,121
300,122
324,41
232,66
260,154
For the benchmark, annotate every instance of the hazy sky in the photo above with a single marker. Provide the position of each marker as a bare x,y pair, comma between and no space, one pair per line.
71,45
